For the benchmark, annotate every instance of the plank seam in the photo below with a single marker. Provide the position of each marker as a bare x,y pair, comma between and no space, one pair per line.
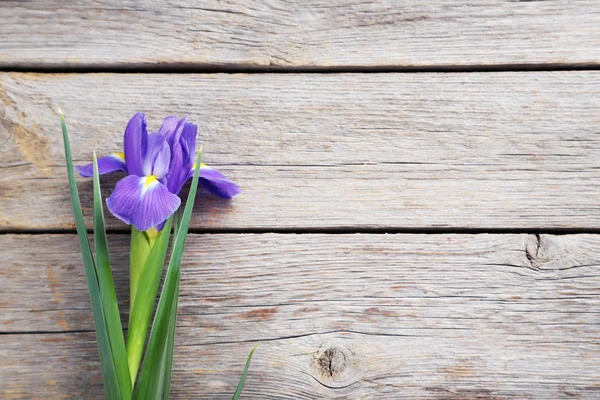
248,69
336,230
9,333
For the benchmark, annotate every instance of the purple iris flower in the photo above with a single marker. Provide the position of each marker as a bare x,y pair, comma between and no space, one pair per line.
158,165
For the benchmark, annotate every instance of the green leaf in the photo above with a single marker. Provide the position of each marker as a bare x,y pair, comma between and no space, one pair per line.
111,386
154,381
143,300
167,365
240,386
169,348
108,295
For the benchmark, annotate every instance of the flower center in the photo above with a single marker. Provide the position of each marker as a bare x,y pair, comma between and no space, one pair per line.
148,183
149,180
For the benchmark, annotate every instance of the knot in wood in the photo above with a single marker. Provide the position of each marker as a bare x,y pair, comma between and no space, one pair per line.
331,363
540,250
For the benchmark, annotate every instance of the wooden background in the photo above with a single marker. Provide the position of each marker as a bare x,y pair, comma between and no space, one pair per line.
421,207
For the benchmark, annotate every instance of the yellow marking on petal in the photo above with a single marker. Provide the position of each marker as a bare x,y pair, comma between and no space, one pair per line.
148,183
150,180
120,155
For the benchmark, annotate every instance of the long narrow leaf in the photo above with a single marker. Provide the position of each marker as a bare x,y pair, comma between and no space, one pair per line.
144,299
153,381
107,292
111,387
167,363
240,385
162,386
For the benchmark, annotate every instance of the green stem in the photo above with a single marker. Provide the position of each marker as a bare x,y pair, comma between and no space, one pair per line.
148,252
138,253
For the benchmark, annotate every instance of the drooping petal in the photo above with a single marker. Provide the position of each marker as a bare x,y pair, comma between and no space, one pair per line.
110,163
219,187
155,144
142,201
216,183
135,143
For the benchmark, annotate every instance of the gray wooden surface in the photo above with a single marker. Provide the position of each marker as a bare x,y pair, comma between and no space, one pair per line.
445,123
338,316
476,150
306,34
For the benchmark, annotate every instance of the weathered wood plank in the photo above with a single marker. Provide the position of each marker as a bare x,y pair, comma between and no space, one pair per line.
490,150
339,316
362,367
283,34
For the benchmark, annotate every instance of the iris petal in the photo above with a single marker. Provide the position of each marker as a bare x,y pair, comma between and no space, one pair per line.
177,175
142,201
220,187
183,148
160,167
216,183
169,124
174,135
156,140
188,144
111,163
135,143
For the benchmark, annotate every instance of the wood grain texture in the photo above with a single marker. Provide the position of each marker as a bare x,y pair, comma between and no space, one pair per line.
477,150
308,34
339,316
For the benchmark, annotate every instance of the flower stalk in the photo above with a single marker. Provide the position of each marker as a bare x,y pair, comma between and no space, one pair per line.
145,273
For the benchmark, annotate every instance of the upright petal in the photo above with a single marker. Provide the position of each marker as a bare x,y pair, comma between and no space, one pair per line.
188,144
155,144
135,143
142,202
216,183
182,153
160,167
177,174
110,163
169,124
174,135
